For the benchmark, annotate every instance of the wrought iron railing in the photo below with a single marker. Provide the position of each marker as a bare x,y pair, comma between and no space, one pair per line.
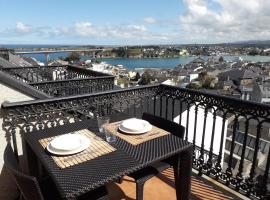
212,123
60,81
75,86
37,74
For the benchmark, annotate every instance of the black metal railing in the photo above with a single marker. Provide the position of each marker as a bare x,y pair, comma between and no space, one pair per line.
212,122
37,74
60,81
75,86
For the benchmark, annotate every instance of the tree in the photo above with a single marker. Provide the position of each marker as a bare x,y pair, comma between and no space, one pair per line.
194,86
73,57
253,52
146,79
221,59
137,77
61,58
202,75
207,82
120,52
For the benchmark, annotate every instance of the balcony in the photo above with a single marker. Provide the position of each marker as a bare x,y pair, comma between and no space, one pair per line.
213,125
60,81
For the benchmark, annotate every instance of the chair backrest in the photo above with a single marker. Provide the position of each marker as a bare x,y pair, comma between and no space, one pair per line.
27,185
167,125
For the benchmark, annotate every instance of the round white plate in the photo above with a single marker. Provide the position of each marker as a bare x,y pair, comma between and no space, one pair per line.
146,129
66,142
84,144
134,125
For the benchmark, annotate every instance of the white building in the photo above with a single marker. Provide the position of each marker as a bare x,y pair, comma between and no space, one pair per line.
193,76
100,67
261,92
208,129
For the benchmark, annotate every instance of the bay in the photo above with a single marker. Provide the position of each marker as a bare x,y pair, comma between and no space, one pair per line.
132,63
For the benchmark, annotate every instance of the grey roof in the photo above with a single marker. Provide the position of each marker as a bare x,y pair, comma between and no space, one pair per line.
198,60
5,63
30,60
18,61
228,83
239,74
257,70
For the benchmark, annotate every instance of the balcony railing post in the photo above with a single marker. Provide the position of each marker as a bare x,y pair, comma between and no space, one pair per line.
209,161
180,111
217,170
187,121
201,157
251,181
239,176
160,105
263,186
194,134
229,169
166,106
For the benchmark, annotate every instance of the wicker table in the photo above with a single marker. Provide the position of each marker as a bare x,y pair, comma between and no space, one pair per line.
84,177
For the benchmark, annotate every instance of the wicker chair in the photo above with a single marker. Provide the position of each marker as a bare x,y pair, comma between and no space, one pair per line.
147,173
30,188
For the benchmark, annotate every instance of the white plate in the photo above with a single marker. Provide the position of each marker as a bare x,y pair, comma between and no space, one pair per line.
146,129
134,125
66,142
84,144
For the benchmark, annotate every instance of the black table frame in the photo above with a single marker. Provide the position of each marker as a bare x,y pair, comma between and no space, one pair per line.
82,178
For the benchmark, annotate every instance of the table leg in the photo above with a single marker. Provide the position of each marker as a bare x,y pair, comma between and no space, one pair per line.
182,174
32,162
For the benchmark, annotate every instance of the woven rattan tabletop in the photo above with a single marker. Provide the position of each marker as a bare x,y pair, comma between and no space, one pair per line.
84,177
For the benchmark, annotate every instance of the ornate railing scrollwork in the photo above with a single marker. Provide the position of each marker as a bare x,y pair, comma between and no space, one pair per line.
228,135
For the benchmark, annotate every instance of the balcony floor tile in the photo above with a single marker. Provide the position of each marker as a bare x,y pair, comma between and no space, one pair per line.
162,188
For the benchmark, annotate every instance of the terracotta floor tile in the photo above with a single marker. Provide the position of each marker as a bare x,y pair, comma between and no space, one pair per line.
162,188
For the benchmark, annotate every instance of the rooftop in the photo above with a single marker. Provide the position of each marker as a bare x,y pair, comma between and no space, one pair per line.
239,74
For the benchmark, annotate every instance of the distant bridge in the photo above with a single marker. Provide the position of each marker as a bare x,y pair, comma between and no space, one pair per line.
47,52
58,51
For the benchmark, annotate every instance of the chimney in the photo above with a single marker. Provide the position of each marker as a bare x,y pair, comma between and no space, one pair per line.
4,53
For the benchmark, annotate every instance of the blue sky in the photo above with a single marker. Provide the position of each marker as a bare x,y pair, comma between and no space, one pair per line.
132,21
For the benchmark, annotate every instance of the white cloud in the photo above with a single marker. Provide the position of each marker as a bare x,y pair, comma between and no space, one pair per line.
229,20
139,28
84,28
64,30
128,33
150,20
22,28
125,31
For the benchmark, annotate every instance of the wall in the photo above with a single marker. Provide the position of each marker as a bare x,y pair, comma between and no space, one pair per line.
256,93
208,129
8,189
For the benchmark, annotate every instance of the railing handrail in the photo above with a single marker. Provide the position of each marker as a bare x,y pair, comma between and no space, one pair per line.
35,66
58,99
86,70
24,88
234,100
226,98
72,80
78,68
